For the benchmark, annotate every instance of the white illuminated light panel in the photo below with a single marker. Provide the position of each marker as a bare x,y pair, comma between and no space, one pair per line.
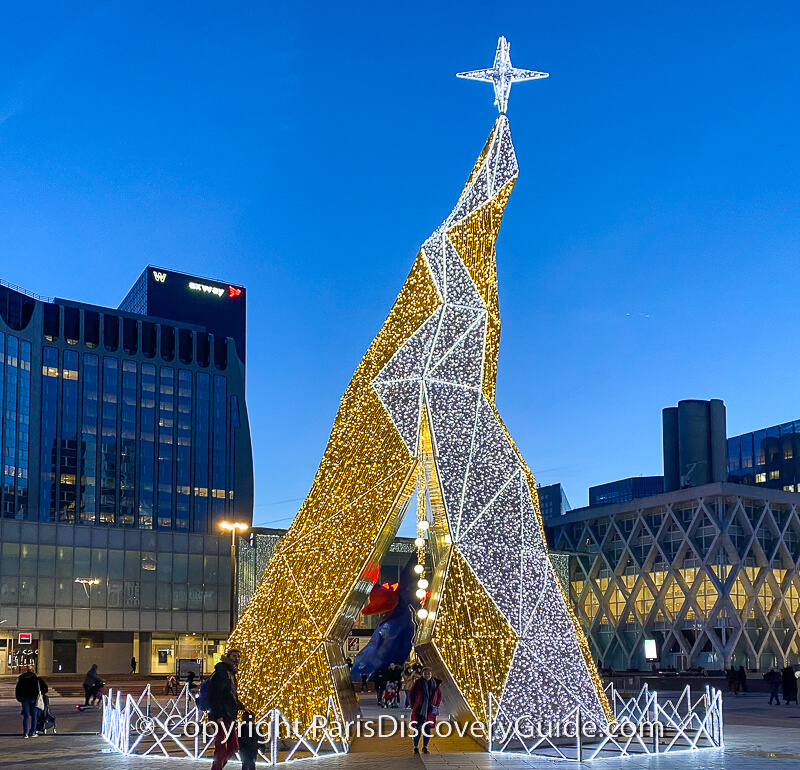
502,75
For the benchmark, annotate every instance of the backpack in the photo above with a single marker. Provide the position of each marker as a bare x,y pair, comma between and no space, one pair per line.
202,697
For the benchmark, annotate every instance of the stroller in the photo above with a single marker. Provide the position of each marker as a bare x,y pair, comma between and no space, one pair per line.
391,695
46,719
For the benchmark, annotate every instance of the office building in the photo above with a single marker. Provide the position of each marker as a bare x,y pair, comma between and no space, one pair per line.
219,308
709,572
708,569
552,500
623,490
768,457
125,441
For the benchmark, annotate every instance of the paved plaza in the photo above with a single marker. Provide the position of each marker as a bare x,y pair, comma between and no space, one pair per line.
756,735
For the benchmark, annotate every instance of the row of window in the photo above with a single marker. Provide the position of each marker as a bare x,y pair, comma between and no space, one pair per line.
76,324
764,447
130,594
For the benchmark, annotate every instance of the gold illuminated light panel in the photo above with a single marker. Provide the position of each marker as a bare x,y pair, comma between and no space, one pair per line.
437,351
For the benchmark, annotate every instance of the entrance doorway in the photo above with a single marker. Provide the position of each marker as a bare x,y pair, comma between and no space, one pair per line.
65,656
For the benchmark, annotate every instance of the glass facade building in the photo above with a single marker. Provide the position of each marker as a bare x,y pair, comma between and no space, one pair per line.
623,490
769,457
129,424
107,420
552,500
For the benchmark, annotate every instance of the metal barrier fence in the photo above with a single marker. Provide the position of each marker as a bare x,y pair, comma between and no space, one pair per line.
145,726
644,724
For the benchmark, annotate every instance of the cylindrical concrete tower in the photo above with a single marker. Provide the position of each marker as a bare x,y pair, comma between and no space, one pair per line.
695,444
672,473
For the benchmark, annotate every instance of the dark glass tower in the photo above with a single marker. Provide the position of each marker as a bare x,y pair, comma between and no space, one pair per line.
219,307
126,418
768,457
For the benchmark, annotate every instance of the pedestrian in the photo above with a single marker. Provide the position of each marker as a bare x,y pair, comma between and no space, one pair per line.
773,679
425,697
249,741
364,683
394,674
133,665
171,687
190,680
90,683
409,677
379,677
30,692
224,707
741,679
789,685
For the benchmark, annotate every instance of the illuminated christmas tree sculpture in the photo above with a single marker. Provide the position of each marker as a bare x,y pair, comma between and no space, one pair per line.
419,414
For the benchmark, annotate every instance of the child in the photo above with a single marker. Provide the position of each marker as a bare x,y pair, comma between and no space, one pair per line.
249,741
98,691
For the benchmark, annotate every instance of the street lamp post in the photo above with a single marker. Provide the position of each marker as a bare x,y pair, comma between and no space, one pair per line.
233,527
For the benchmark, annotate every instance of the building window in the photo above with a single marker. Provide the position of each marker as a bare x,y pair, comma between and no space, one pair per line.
202,435
89,413
127,445
219,446
147,443
10,427
774,475
761,478
183,466
166,429
235,424
108,441
68,460
23,430
48,451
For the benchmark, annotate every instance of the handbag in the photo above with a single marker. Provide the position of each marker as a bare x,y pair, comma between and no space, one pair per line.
39,697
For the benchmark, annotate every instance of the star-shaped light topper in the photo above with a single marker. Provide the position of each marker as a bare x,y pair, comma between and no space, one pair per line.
502,75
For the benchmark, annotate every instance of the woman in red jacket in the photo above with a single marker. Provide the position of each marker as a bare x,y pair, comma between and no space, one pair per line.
425,698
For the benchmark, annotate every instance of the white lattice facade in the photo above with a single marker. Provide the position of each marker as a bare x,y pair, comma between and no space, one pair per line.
711,573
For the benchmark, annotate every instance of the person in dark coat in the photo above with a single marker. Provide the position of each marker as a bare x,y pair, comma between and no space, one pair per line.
90,683
27,692
789,685
224,707
379,677
133,665
741,679
773,679
425,698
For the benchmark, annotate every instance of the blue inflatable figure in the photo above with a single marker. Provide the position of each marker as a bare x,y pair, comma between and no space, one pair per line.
392,640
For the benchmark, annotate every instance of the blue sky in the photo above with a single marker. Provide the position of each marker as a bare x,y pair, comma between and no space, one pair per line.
649,252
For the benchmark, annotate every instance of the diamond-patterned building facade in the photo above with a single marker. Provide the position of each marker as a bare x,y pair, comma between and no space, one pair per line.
712,573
